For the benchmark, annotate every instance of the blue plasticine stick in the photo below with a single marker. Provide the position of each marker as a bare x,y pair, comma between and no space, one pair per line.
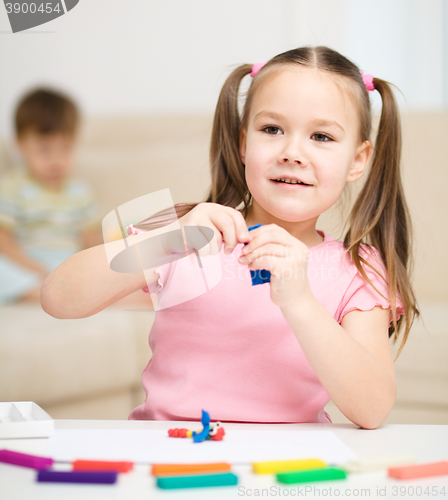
52,476
259,276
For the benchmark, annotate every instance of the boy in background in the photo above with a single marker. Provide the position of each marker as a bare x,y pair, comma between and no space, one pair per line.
45,215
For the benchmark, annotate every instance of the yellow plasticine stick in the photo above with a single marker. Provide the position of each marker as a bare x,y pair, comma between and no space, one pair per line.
287,465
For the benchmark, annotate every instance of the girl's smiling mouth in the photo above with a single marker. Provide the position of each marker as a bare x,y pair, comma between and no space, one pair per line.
290,182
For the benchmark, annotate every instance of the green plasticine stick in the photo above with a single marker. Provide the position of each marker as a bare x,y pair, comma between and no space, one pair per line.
196,481
311,475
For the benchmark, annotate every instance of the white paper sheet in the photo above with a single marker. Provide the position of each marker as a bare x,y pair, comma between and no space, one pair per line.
238,446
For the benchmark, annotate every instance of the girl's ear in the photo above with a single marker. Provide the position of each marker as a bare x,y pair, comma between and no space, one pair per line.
243,145
362,158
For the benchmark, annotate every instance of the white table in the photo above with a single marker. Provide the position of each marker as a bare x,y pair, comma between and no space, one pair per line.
427,443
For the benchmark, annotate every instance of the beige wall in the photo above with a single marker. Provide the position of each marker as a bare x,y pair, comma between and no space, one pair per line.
425,177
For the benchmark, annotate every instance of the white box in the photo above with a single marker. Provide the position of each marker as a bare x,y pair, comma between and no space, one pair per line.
24,419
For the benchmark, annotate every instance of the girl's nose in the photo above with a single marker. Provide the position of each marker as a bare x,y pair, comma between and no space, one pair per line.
286,159
292,153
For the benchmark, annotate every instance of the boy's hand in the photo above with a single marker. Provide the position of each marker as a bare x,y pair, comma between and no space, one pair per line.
274,249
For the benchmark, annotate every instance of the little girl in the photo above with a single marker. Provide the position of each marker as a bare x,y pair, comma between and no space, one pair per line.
278,352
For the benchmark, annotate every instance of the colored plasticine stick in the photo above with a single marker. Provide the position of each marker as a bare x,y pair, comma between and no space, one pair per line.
171,469
52,476
309,475
367,464
285,465
25,460
259,276
419,470
174,482
87,465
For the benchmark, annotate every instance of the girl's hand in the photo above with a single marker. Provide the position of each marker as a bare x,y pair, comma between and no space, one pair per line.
274,249
226,222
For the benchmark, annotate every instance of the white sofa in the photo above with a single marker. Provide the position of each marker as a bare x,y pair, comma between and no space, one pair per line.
91,368
84,368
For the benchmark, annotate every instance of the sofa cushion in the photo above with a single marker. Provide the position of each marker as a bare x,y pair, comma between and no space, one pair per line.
49,360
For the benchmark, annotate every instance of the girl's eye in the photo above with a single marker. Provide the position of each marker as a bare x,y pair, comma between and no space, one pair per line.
321,138
272,130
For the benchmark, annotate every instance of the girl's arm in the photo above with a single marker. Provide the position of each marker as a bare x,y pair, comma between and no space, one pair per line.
84,284
353,361
10,248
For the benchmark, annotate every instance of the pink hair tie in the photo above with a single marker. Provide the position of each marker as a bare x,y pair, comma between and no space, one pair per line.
256,68
368,81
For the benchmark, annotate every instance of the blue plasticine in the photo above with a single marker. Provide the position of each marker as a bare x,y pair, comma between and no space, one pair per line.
259,276
205,418
53,476
198,437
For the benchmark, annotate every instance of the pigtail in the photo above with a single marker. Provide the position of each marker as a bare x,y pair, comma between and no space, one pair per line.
381,216
228,182
165,217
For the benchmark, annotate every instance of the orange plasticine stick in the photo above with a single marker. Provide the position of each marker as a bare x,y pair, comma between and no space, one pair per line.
419,470
87,465
170,469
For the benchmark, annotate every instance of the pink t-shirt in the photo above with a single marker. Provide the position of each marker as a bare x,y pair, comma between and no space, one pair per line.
229,349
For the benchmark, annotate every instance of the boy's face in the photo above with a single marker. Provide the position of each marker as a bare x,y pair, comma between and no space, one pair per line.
48,157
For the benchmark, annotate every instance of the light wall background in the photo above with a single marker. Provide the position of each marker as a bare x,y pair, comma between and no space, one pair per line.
145,56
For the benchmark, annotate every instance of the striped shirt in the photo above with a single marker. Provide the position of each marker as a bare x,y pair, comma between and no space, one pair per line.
44,218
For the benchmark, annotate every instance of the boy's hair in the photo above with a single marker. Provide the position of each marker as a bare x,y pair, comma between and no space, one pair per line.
379,217
45,111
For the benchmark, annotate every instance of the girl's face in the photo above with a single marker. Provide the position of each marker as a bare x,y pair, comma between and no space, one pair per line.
301,126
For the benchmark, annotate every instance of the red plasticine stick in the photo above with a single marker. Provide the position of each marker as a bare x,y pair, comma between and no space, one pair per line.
96,465
419,470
